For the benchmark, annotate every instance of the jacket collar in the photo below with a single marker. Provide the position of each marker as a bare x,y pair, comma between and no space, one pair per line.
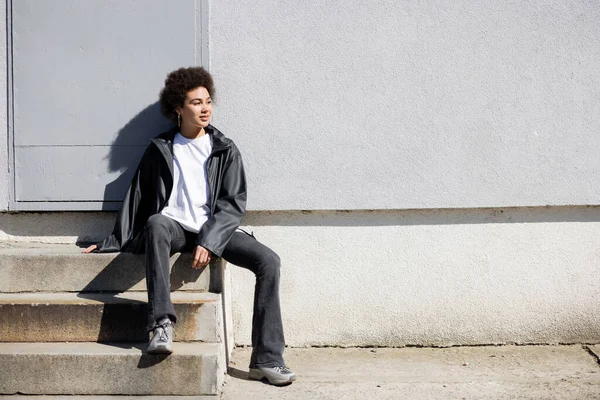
164,142
220,142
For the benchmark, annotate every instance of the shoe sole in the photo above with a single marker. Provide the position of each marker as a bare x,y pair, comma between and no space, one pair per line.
160,350
261,377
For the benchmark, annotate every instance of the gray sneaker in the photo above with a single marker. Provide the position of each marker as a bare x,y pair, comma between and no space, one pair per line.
162,338
278,376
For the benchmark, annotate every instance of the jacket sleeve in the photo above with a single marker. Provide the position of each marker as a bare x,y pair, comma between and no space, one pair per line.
229,210
124,229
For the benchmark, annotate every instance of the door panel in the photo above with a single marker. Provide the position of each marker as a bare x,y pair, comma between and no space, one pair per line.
86,76
81,174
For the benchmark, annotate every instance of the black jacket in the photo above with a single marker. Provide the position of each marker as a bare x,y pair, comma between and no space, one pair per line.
151,188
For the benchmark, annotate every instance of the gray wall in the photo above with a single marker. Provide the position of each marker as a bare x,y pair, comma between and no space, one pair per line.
398,104
370,105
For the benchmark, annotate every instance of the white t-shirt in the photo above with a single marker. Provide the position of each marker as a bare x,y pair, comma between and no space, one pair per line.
189,201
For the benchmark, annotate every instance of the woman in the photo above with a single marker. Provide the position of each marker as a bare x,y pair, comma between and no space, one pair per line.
189,193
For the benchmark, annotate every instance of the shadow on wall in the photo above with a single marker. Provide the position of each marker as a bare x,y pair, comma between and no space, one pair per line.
127,149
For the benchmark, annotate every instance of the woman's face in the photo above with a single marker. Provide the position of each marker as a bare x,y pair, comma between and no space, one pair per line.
197,108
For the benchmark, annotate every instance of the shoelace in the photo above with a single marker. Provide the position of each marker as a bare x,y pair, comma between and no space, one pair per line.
163,332
283,370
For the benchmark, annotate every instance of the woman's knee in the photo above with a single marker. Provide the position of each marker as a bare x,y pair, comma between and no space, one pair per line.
157,223
270,261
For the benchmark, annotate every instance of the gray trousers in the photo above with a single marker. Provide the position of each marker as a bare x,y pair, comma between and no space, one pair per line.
164,236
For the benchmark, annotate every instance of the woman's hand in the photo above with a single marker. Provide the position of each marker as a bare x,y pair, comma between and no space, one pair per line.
201,257
90,249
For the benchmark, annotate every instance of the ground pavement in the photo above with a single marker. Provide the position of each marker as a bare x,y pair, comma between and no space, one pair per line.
486,372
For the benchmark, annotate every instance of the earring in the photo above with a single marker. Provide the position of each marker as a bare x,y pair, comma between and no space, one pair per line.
179,120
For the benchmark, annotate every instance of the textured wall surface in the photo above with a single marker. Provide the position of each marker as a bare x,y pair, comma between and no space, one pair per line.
396,104
56,227
423,277
431,277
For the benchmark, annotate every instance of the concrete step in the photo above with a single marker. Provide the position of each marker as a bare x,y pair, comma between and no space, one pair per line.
107,397
102,317
102,369
63,268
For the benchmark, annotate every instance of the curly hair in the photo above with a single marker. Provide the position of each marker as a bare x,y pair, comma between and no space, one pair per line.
178,83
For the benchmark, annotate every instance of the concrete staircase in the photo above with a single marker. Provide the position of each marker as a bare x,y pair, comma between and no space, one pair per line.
74,324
